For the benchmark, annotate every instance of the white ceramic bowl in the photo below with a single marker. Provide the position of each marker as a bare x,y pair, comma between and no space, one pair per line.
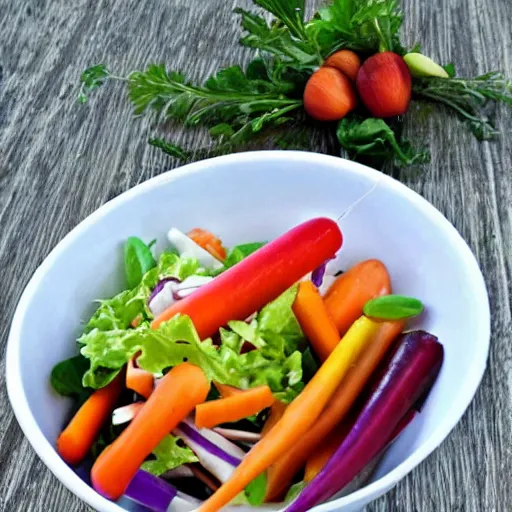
247,197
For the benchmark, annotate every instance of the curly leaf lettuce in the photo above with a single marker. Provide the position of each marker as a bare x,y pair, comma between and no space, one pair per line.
168,455
275,361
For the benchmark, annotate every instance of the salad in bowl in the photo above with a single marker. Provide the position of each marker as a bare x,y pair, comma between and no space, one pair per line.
256,377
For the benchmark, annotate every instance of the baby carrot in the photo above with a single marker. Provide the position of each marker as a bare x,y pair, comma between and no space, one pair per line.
325,451
313,317
233,408
281,473
226,391
139,380
77,438
347,296
276,413
298,418
171,402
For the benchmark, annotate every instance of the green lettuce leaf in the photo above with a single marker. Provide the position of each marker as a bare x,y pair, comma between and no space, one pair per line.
240,252
66,378
117,313
172,343
168,455
277,318
138,259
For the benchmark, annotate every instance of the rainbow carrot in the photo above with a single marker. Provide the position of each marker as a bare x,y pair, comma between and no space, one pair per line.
171,402
298,418
234,408
77,438
347,296
318,326
325,451
281,473
258,279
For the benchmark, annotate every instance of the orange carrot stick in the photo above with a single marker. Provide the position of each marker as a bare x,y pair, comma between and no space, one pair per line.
325,451
280,475
139,380
171,402
353,289
227,391
209,242
276,413
233,408
77,438
298,418
313,317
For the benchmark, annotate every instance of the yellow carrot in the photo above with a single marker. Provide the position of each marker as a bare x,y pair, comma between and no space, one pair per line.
77,438
233,408
313,317
298,418
171,402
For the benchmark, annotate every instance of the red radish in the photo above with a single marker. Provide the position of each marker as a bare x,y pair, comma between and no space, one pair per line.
345,61
384,83
329,95
259,278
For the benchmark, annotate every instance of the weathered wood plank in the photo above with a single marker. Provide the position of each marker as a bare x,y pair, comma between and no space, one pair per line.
59,162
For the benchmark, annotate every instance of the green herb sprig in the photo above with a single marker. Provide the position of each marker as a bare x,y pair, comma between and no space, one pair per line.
238,106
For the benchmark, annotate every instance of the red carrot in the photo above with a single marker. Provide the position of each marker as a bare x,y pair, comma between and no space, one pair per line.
259,278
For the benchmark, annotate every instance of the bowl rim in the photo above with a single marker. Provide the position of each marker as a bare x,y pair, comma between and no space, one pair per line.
474,373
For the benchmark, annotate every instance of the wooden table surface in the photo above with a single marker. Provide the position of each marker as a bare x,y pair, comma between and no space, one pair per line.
60,161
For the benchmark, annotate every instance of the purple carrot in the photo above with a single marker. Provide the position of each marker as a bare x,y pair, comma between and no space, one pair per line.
409,375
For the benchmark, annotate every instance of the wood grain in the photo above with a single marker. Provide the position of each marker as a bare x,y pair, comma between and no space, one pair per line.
59,162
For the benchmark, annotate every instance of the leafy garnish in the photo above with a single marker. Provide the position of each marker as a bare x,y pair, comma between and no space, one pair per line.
295,490
138,260
240,252
170,149
367,26
279,41
468,97
169,454
91,79
66,378
239,107
374,138
393,307
232,104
